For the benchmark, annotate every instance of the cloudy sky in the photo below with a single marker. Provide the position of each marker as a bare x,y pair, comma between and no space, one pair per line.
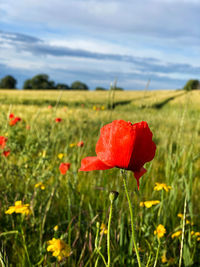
100,41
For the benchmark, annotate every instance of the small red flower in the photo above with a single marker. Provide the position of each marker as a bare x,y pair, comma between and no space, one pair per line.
123,145
80,144
6,153
3,141
28,127
11,116
58,119
18,119
50,107
14,121
64,167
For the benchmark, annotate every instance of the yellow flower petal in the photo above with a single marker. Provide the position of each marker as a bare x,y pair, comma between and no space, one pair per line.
55,228
160,231
60,155
59,248
19,208
161,186
104,230
176,234
149,204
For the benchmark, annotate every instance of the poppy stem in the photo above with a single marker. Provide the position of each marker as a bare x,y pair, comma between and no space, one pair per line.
108,234
132,222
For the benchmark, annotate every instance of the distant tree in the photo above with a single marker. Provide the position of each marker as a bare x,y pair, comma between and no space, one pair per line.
8,82
100,89
192,85
28,84
39,82
77,85
62,86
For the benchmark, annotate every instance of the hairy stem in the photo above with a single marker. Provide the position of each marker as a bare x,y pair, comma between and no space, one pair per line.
108,234
132,222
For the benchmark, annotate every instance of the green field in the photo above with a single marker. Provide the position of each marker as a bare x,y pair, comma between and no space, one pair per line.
77,201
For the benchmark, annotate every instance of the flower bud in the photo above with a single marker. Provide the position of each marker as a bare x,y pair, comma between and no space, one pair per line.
113,196
98,225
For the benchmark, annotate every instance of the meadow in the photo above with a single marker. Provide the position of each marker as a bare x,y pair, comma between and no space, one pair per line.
63,219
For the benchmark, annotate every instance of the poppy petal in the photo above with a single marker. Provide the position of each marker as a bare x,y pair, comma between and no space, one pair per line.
115,144
6,153
93,163
64,167
144,148
138,174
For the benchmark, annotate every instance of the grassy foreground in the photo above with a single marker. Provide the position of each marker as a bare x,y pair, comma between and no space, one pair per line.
72,207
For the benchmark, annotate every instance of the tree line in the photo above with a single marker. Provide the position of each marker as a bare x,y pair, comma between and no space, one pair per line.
42,82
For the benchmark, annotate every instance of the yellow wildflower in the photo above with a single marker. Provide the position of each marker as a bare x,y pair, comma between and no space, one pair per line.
164,258
149,204
176,234
60,155
55,228
104,230
40,185
160,186
192,232
72,145
180,215
102,107
160,231
59,248
19,208
94,108
195,234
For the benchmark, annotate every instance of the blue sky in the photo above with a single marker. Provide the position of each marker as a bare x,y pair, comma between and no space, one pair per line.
100,41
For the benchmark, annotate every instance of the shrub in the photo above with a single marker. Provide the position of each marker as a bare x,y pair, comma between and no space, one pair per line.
40,81
191,85
8,82
77,85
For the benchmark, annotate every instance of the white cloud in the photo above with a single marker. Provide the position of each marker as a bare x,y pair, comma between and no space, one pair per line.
150,37
161,19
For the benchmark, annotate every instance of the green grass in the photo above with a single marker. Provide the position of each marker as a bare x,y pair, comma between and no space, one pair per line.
78,200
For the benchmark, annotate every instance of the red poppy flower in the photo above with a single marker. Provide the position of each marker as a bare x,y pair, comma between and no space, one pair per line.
11,116
123,145
6,153
50,106
3,141
64,167
58,119
18,119
80,144
14,121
